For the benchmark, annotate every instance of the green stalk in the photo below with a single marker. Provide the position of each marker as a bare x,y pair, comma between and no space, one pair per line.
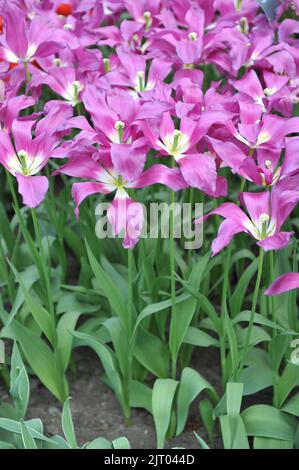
28,76
45,268
272,298
253,309
6,275
130,290
172,280
226,262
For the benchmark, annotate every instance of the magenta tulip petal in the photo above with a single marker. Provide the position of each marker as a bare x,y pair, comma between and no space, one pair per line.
81,191
256,204
228,228
32,188
161,174
128,160
200,172
277,242
283,283
126,218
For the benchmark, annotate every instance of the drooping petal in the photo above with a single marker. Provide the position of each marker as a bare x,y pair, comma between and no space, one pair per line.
276,242
227,230
32,188
126,218
283,283
81,191
160,174
200,172
128,160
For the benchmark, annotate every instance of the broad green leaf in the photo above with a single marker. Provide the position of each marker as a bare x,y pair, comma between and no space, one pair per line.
39,313
267,421
198,337
108,361
121,443
66,324
157,307
292,406
119,338
27,438
39,356
240,441
19,383
232,341
237,298
258,319
266,443
206,410
152,353
68,425
140,396
190,386
234,394
287,382
162,399
99,443
109,288
256,378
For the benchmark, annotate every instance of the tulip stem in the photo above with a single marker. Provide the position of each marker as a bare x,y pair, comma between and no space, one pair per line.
253,309
28,76
46,270
172,282
130,290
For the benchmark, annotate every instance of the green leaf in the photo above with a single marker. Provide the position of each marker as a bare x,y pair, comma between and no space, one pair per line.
287,382
140,396
121,443
152,353
206,411
68,425
292,406
234,394
99,443
19,383
109,288
237,298
256,378
240,440
267,421
201,442
39,313
39,356
108,361
200,338
27,438
65,326
266,443
162,399
190,386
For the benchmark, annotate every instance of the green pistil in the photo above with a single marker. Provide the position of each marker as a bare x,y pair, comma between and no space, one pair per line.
119,126
264,218
148,19
238,5
77,86
176,137
106,65
22,154
141,84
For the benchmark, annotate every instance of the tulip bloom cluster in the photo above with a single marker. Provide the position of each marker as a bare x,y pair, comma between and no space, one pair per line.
129,79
